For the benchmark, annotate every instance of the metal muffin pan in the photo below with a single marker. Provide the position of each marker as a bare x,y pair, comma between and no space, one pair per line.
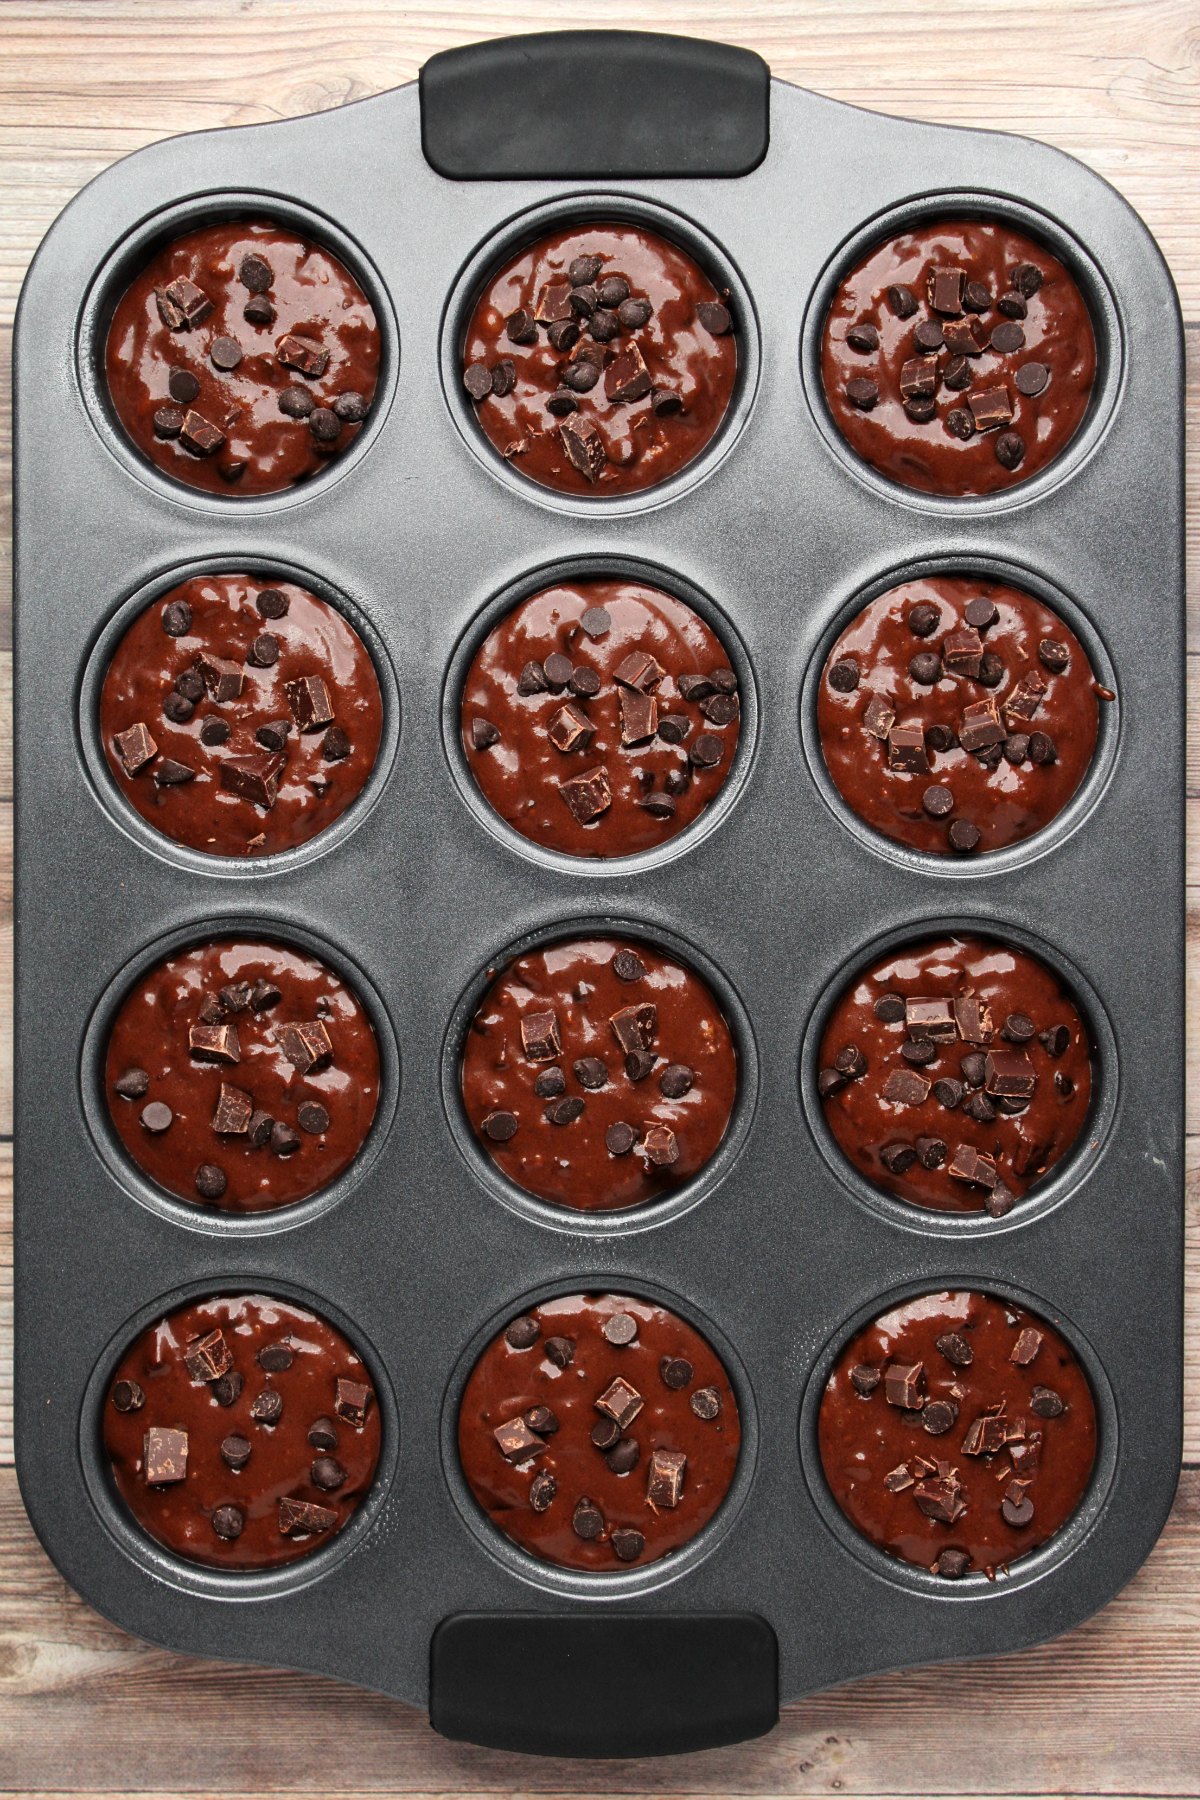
419,1252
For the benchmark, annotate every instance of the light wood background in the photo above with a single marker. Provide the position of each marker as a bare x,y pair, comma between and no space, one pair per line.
1112,1709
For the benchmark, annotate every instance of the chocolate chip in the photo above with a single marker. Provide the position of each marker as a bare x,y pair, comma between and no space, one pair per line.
919,1051
177,618
714,317
623,1457
862,392
948,1092
210,1181
902,301
676,1080
976,297
1046,1403
928,335
604,325
1042,748
1056,1041
931,1152
889,1009
259,310
587,1521
255,273
897,1158
561,1351
591,1072
863,337
925,668
864,1379
127,1397
957,374
284,1141
960,424
937,801
620,1138
182,386
564,1112
236,1451
938,1417
952,1564
584,269
225,353
157,1117
336,745
1007,337
707,751
1017,1511
1026,278
522,1332
324,424
920,408
133,1084
633,314
296,402
639,1064
550,1084
963,835
1012,305
313,1118
706,1403
1054,654
168,422
1010,449
477,379
844,675
923,619
327,1474
619,1328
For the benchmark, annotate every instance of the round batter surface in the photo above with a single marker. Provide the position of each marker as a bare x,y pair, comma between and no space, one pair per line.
958,357
957,716
242,358
599,1432
240,715
242,1075
958,1432
601,359
955,1073
241,1432
599,1073
600,717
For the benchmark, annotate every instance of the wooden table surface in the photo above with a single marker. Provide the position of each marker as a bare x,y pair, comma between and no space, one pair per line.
1112,1708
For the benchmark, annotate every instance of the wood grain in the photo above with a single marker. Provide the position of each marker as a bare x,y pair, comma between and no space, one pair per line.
1110,1710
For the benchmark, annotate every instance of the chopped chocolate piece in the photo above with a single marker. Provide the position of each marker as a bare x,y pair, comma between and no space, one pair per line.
634,1026
165,1456
182,304
1010,1072
1026,697
200,436
903,1385
539,1036
897,1480
906,750
981,726
919,375
173,774
570,729
620,1402
516,1441
969,1166
1029,1342
587,795
301,353
665,1476
299,1518
208,1357
639,717
878,717
309,700
214,1043
940,1497
627,377
660,1146
963,339
583,445
904,1087
352,1401
990,408
306,1047
135,748
233,1110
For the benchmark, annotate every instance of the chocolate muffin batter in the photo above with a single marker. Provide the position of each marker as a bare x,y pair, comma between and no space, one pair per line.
242,1075
955,1073
599,1432
958,357
958,1432
601,359
240,715
600,717
599,1073
242,1432
958,715
243,358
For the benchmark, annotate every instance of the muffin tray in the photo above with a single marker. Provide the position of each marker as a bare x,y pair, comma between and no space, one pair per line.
424,537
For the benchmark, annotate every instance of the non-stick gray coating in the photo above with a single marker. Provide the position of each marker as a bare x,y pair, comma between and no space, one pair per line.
420,528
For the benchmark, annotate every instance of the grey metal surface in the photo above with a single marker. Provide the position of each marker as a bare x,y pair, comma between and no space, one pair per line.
422,1248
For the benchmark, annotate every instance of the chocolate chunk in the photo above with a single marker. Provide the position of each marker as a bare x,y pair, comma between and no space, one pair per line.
309,700
539,1035
1025,697
570,729
1010,1073
970,1167
878,717
223,679
862,392
660,1146
214,1043
232,1115
906,750
587,795
627,377
306,1047
940,1497
301,353
200,436
584,446
620,1401
899,1479
639,717
301,1518
930,1018
210,1181
634,1027
170,773
1028,1343
664,1478
190,305
352,1400
164,1456
919,375
903,1385
904,1087
127,1397
990,408
706,1403
517,1443
135,747
981,726
962,338
1032,379
157,1117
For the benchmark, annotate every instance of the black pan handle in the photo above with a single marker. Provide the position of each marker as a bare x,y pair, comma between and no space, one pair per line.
603,1685
594,103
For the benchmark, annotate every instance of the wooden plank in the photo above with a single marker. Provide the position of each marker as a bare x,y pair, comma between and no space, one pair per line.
1110,1709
